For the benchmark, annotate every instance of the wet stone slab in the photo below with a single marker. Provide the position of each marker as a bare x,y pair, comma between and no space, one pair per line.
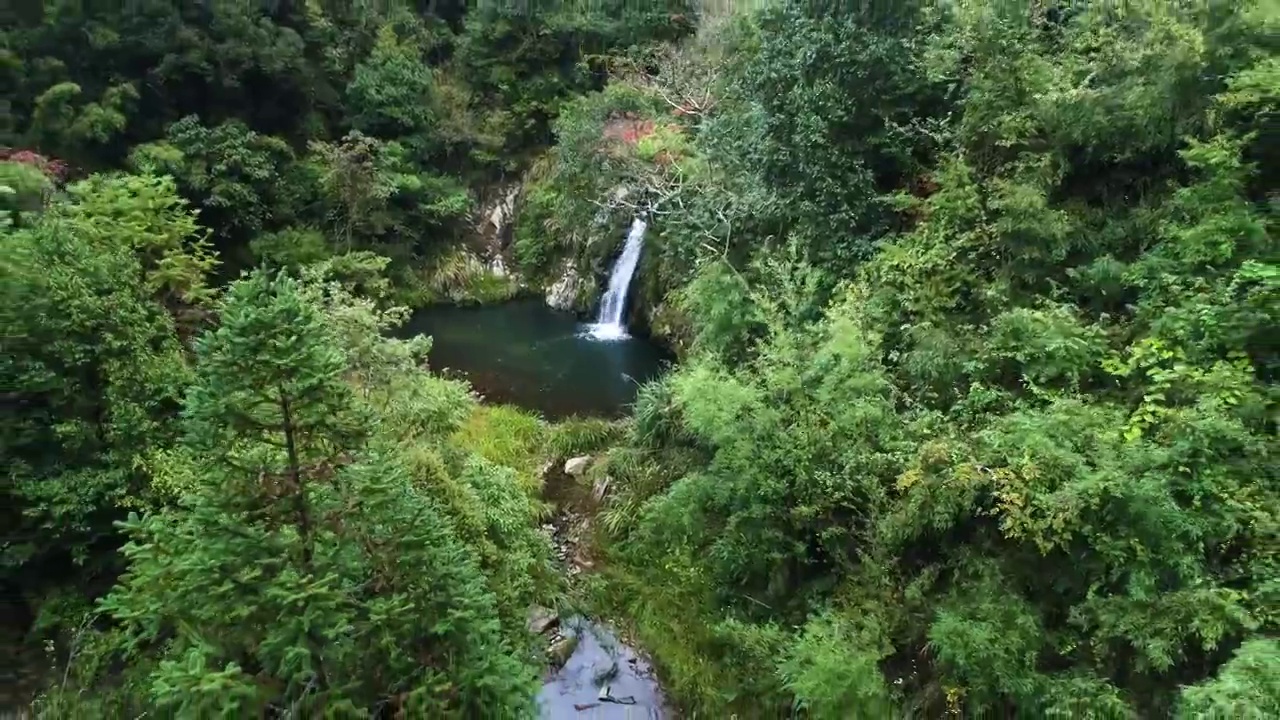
601,680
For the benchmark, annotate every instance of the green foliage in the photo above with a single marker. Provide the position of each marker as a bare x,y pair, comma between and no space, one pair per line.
720,298
157,226
582,436
95,293
390,94
977,414
408,112
833,669
291,248
825,158
230,171
458,276
482,464
979,408
536,244
507,436
59,126
377,198
1247,686
314,559
522,63
23,190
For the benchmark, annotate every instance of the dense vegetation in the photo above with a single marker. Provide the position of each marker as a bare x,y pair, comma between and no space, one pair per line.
976,303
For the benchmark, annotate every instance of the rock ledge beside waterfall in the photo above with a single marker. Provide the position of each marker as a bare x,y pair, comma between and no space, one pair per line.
564,292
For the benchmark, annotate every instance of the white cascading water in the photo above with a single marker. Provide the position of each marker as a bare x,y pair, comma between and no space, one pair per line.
609,324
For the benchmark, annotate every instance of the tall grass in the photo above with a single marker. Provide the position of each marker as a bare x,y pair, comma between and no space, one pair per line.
583,436
508,436
710,667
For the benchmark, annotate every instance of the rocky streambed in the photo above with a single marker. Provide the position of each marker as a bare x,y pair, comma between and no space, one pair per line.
591,673
594,675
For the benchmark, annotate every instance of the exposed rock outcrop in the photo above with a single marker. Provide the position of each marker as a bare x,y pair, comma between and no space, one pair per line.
672,328
563,293
542,619
496,217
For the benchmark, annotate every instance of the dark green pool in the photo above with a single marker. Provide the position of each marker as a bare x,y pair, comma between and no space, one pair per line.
528,354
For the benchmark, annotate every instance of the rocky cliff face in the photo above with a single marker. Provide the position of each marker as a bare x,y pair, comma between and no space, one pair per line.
495,217
563,294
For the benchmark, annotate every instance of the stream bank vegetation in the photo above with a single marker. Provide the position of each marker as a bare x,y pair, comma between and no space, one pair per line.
977,306
978,411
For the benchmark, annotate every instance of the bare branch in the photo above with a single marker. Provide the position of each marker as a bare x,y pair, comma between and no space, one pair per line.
684,82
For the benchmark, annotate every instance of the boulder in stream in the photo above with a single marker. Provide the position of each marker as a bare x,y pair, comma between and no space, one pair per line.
577,466
604,670
542,619
562,649
600,489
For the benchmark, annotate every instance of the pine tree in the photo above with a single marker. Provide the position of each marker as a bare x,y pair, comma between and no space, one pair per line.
305,573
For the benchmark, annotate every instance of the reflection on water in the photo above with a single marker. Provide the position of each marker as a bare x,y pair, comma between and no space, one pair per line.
528,354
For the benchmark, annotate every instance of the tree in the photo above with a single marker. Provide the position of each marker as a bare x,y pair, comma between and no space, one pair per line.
232,173
376,196
59,127
304,571
1018,463
391,95
25,187
831,122
95,294
1248,686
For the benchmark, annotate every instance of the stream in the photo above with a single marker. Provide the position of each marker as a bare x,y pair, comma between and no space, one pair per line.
527,354
602,679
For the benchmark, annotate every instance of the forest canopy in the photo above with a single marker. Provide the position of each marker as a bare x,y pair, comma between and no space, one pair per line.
976,307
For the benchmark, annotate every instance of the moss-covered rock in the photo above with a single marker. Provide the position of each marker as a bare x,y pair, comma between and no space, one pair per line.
669,327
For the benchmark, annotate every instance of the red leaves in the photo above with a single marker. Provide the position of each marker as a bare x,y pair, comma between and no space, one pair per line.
628,128
55,169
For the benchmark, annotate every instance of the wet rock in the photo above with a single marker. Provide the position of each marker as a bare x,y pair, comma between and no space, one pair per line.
542,619
561,650
600,489
563,294
576,466
629,691
604,670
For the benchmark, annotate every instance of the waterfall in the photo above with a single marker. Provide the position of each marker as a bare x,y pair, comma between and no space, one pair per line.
609,324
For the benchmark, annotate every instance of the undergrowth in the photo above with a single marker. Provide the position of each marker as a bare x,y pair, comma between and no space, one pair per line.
509,436
583,435
458,277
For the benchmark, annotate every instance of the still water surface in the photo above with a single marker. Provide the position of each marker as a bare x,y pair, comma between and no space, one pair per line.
527,354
